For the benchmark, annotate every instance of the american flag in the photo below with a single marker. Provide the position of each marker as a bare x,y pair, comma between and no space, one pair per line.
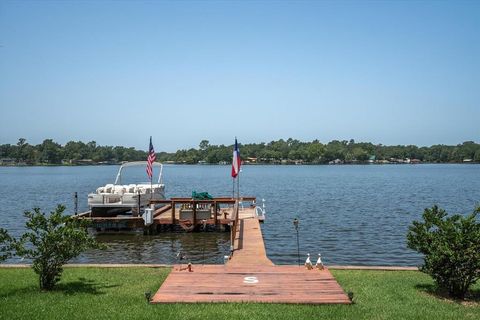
150,160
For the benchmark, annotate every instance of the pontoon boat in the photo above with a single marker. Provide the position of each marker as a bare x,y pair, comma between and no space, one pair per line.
118,198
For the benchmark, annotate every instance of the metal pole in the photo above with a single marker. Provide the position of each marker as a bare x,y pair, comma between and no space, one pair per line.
295,223
298,249
138,214
75,198
203,235
238,186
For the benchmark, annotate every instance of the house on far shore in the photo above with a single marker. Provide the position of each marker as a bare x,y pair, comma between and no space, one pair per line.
250,160
7,161
83,161
336,161
108,162
467,160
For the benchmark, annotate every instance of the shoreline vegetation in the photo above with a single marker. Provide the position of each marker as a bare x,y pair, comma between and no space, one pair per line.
288,152
114,293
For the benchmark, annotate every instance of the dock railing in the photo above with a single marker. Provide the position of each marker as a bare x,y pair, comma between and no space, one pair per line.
194,205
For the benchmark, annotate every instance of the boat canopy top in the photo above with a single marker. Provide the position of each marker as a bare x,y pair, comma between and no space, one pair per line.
118,179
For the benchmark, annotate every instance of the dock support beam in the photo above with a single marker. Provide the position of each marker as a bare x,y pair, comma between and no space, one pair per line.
194,214
233,232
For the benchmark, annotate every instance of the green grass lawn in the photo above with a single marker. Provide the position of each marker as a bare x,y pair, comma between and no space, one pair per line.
118,293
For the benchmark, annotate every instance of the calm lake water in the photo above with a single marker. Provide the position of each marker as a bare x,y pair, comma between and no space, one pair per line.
351,214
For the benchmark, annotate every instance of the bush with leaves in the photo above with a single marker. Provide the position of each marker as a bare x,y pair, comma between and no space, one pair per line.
51,241
451,248
6,245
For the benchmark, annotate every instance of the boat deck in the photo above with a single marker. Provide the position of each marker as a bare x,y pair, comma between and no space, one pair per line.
249,276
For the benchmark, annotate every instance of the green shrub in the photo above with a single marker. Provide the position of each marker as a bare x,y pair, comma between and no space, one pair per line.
51,241
451,248
6,245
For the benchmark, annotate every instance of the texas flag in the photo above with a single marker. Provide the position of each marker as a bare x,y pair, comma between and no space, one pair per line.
236,161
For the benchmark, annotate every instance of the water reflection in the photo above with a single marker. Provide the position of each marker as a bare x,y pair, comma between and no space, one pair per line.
197,247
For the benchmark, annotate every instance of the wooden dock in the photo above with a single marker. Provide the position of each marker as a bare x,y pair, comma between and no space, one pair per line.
249,276
174,214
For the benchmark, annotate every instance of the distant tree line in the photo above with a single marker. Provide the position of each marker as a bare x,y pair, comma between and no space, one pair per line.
280,151
73,152
315,152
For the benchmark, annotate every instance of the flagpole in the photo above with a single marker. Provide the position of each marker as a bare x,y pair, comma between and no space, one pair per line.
238,175
150,162
233,177
238,186
151,178
151,187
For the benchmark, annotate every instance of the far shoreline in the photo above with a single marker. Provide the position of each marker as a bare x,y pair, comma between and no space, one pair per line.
243,164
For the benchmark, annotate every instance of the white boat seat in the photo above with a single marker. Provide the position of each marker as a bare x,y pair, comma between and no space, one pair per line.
119,190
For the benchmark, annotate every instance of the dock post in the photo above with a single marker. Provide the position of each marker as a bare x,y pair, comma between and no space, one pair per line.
232,237
194,214
75,199
173,212
215,218
295,224
138,206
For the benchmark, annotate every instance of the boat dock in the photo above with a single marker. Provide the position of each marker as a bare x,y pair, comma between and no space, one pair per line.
182,214
249,276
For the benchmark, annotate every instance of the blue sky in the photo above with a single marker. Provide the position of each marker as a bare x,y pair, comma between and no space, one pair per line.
118,72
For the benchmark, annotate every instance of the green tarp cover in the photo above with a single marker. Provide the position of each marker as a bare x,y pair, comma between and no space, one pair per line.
201,196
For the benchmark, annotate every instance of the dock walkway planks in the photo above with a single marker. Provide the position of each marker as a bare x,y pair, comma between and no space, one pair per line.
249,248
273,284
250,277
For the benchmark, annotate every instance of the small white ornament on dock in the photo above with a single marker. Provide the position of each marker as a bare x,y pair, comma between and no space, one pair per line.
308,262
319,264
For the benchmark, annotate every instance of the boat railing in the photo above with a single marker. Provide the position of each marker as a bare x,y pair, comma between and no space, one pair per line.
118,179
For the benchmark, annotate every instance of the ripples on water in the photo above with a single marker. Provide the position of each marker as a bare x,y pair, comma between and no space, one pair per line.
351,214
